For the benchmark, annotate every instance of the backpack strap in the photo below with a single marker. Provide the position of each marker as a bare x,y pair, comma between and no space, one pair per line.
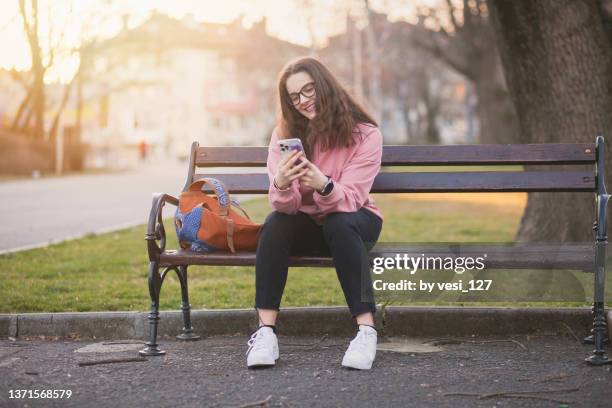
236,204
218,188
224,204
230,234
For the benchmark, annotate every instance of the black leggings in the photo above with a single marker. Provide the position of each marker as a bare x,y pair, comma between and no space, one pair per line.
347,237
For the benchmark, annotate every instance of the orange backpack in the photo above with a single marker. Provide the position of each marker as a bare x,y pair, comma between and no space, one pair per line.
209,223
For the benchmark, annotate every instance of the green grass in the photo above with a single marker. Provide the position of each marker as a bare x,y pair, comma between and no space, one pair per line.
108,272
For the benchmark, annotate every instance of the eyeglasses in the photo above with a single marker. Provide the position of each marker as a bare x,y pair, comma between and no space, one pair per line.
307,90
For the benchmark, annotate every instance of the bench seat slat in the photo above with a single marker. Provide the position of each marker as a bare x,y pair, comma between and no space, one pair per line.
499,256
553,153
409,182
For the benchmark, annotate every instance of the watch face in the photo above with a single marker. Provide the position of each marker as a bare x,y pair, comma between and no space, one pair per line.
328,187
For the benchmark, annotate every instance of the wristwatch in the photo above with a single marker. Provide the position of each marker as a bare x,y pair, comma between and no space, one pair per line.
327,188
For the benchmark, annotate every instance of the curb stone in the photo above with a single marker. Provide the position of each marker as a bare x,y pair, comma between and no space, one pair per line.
398,321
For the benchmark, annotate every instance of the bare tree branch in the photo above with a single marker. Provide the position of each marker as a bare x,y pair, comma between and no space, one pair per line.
25,126
53,49
62,105
27,26
22,108
434,48
375,91
30,25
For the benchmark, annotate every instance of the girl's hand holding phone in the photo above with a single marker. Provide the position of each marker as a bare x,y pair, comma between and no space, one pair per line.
313,178
288,171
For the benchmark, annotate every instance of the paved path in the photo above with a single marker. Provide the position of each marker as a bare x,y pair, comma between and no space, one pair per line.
212,373
38,212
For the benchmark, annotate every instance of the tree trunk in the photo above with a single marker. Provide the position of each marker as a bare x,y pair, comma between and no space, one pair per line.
38,101
30,24
474,54
498,121
60,109
25,128
375,95
558,67
357,53
79,106
15,126
606,14
432,107
409,134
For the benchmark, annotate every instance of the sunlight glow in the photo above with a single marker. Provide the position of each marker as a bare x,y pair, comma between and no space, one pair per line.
64,24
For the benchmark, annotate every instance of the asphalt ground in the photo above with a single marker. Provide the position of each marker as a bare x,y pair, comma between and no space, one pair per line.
492,371
60,208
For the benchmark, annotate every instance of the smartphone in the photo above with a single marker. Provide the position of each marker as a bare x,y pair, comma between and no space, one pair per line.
289,145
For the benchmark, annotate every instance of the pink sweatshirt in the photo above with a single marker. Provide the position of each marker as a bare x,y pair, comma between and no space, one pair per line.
352,170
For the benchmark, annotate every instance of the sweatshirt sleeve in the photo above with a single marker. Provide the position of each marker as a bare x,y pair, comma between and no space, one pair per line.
351,190
288,200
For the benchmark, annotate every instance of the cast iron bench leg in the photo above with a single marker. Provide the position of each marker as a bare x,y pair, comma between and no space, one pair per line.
187,334
590,339
599,356
155,283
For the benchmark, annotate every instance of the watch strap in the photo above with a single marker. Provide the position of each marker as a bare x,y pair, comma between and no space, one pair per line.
327,188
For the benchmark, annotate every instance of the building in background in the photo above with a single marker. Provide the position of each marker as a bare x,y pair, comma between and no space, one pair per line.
170,82
423,101
12,92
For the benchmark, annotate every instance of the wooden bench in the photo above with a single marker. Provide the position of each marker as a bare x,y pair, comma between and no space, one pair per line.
588,258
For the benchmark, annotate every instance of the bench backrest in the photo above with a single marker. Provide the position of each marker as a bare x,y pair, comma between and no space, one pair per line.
564,171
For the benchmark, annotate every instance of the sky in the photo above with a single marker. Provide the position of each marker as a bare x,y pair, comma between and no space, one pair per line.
67,21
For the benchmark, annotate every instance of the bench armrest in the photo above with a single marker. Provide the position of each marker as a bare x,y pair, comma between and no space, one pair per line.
155,228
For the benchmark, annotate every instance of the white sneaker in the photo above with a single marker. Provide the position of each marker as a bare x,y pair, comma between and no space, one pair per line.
263,348
362,350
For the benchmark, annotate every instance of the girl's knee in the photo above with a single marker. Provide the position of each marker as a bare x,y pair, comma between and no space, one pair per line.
278,218
338,223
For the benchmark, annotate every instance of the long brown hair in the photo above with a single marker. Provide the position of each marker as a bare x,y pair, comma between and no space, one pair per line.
337,113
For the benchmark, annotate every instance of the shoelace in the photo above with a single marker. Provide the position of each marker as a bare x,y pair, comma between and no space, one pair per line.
253,344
